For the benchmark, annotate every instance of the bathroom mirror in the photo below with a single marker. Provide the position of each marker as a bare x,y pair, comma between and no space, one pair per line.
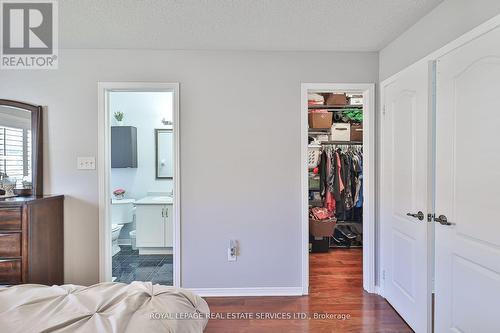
21,156
164,139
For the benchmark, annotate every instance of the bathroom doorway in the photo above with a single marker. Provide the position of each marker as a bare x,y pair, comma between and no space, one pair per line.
139,182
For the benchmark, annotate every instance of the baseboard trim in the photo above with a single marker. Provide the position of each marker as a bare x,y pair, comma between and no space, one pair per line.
247,292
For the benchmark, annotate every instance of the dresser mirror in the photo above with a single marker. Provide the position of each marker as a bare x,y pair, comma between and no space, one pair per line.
20,149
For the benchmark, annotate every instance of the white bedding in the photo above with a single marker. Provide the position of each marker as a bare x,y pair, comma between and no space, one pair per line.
104,307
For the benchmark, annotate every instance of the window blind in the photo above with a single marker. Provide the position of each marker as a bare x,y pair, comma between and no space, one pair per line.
15,152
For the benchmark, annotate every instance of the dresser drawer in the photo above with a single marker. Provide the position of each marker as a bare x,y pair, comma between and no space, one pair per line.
10,245
10,271
10,218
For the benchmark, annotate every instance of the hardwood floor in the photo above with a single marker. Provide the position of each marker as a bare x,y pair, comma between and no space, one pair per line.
335,288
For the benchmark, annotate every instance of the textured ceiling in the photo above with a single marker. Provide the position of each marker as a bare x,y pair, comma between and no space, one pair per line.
328,25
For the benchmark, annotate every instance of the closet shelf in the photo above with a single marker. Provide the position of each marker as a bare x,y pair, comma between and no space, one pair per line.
343,143
334,107
320,130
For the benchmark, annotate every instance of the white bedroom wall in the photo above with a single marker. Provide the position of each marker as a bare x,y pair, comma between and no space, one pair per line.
446,22
144,110
240,152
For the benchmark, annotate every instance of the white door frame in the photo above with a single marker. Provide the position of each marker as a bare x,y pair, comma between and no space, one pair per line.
104,170
369,222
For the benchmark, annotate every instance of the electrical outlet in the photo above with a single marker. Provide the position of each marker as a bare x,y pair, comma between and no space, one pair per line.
232,251
85,163
230,256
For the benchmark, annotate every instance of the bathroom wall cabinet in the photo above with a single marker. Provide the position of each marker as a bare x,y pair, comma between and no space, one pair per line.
154,228
123,147
32,240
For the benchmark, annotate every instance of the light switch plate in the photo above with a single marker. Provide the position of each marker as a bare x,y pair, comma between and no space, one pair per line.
85,163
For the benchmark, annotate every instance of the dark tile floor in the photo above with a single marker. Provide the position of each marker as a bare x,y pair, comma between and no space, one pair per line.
129,266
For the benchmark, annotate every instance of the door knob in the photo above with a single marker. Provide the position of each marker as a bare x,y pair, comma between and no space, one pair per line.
419,215
442,219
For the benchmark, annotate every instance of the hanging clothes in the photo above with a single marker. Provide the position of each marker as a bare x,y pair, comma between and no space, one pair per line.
359,187
341,180
346,163
326,179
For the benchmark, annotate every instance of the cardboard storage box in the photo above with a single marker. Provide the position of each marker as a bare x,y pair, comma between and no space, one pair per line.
357,132
320,119
341,132
322,228
336,99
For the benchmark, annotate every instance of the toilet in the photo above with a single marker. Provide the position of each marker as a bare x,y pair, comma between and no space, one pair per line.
122,213
115,233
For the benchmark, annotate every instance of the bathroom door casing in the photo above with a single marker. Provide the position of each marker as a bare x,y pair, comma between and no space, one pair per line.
405,239
467,267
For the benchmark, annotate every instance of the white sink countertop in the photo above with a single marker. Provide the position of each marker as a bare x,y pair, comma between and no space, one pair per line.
115,201
163,200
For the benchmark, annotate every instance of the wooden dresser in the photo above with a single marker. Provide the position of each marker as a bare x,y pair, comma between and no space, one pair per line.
32,240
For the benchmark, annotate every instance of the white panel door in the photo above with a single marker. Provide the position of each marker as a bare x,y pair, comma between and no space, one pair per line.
468,187
404,190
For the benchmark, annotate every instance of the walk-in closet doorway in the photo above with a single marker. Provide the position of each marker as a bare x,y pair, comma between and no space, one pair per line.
366,144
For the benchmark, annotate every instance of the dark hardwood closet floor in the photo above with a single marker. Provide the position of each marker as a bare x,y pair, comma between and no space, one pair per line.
335,287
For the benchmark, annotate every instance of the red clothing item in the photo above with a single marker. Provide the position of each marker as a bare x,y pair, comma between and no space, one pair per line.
329,199
330,202
339,166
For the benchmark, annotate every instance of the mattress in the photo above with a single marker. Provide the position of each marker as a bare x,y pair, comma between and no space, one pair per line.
104,307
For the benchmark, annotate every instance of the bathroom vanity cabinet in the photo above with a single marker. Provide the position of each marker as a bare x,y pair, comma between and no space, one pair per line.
32,240
154,225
